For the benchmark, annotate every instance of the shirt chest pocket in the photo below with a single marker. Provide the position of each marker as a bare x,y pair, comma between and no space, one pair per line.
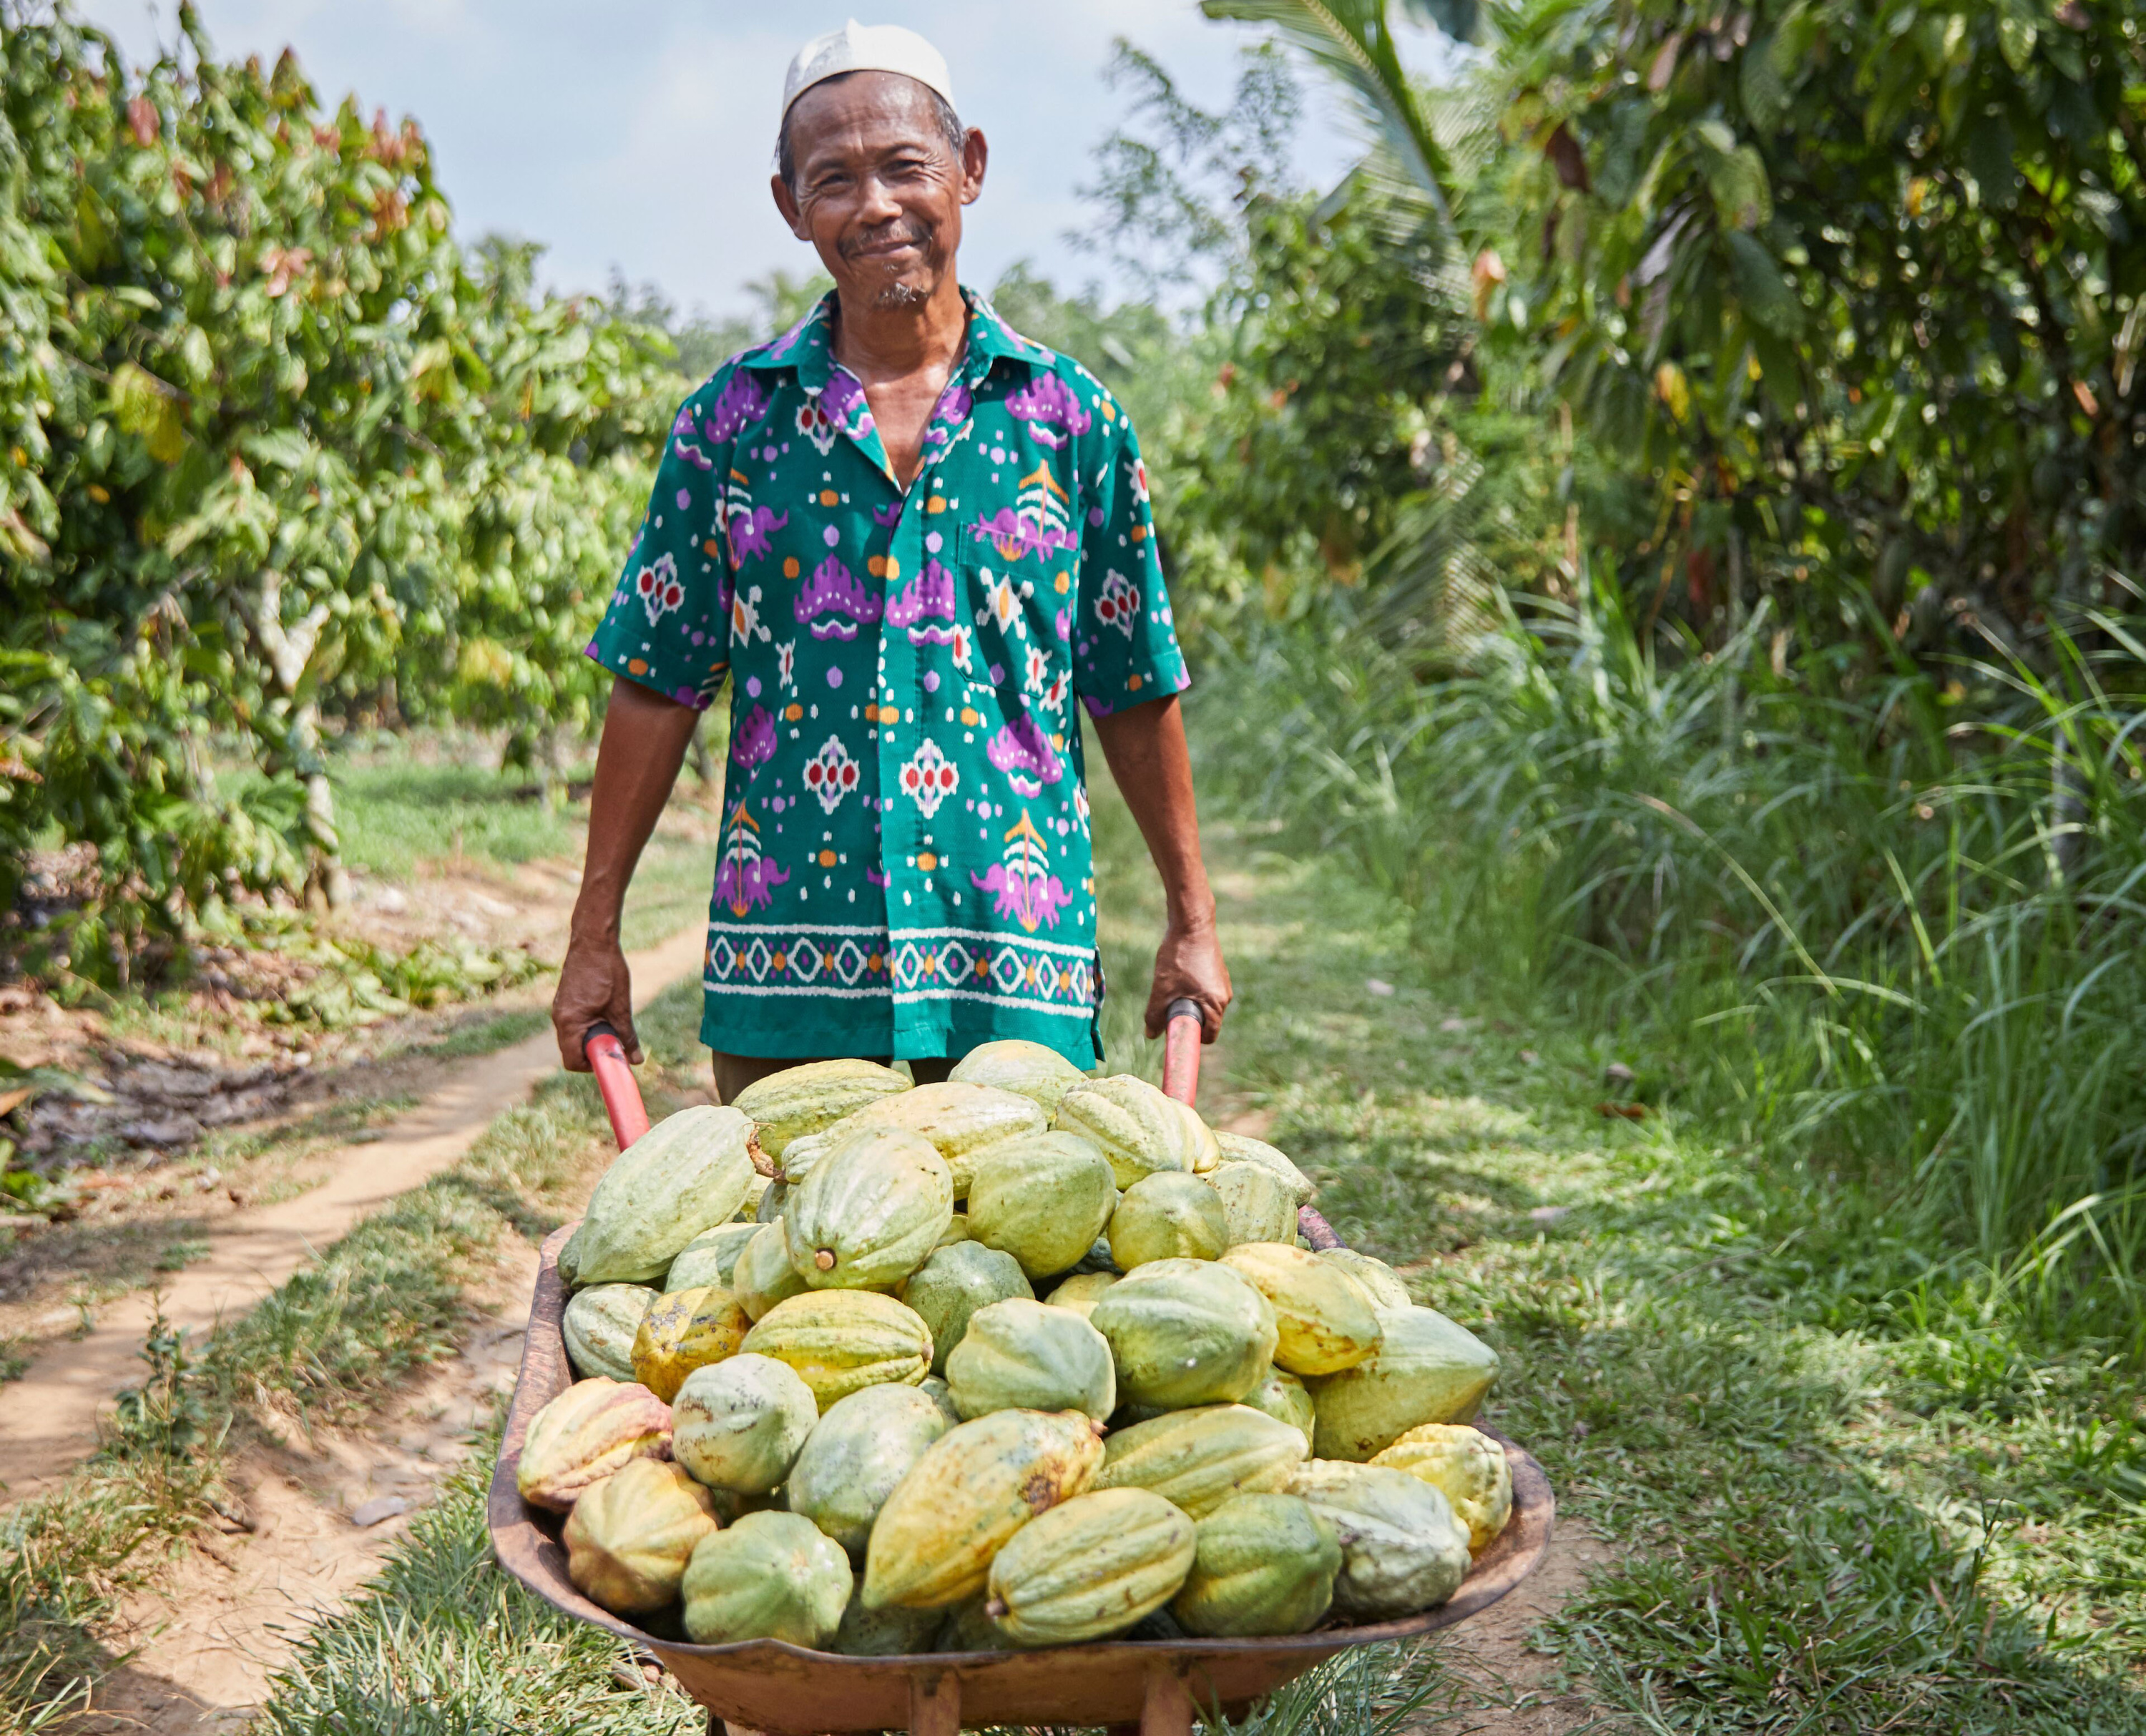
1016,590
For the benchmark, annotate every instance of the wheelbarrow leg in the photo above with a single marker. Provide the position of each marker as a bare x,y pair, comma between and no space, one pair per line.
1167,1708
935,1704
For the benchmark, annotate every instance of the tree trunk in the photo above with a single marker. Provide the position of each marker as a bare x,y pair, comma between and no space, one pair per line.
290,649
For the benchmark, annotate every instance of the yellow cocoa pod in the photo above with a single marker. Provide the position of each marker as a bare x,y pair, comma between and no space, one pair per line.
840,1342
1093,1566
1467,1467
629,1537
1381,1283
806,1099
1168,1216
1196,1459
1013,1064
590,1430
685,1330
1427,1369
1324,1320
967,1494
1137,1127
1243,1148
1080,1292
962,1121
1256,1202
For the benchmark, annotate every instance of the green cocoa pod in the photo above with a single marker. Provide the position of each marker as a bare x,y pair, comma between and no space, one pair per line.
1262,1564
953,1283
1044,1200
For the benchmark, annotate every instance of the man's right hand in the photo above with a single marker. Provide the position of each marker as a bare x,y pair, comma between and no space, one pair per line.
644,742
595,987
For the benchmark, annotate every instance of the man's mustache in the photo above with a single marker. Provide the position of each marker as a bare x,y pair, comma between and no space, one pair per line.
910,230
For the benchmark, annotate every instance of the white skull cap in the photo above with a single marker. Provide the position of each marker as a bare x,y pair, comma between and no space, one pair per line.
866,48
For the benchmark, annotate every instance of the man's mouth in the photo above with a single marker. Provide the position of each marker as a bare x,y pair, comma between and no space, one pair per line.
887,247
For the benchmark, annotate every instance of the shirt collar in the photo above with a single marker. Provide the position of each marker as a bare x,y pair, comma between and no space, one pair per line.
809,346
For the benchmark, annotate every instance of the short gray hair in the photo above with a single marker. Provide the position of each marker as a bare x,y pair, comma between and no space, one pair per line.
943,113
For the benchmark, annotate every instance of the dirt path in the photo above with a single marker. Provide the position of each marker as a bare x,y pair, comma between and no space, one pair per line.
207,1641
49,1418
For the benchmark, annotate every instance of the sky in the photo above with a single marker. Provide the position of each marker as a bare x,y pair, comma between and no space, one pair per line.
637,134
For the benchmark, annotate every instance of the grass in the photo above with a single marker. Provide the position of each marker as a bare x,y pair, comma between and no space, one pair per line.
1860,918
383,1303
1816,1525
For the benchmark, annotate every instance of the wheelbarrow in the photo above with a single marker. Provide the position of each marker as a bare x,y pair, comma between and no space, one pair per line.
1158,1687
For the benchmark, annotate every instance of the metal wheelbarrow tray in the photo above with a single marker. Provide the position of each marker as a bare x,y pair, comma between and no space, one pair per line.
770,1685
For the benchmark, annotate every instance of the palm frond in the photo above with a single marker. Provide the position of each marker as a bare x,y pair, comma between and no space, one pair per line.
1352,40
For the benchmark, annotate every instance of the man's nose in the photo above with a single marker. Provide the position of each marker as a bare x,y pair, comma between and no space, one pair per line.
879,204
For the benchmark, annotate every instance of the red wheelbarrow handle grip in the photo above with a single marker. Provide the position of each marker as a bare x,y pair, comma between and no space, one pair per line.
622,1096
1181,1048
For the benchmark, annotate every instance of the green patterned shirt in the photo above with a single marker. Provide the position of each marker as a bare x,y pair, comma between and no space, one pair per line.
905,865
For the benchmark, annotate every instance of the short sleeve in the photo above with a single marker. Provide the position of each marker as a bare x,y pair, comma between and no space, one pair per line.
668,625
1125,643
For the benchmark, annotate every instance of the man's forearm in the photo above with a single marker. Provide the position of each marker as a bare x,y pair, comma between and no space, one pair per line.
1145,747
645,738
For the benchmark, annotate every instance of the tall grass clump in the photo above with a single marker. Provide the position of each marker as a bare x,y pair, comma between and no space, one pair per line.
1887,925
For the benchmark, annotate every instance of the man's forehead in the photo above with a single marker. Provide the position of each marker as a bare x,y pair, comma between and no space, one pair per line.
882,106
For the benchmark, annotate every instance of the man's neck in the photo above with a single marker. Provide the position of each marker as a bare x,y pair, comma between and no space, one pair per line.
892,343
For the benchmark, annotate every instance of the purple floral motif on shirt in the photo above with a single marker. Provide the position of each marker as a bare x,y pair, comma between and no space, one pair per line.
953,408
833,592
749,529
888,517
930,593
1048,402
780,348
840,396
1023,752
1022,885
754,743
744,878
1017,535
742,402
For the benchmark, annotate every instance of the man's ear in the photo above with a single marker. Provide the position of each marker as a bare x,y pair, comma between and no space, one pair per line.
785,202
975,158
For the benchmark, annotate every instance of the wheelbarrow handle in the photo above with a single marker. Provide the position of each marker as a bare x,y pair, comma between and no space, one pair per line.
1181,1030
622,1096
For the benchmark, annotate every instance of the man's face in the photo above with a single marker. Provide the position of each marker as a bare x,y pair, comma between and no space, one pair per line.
878,191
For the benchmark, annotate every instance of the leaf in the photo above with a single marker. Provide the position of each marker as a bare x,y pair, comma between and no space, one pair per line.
1762,289
2016,40
1759,83
1350,38
1674,390
142,404
286,448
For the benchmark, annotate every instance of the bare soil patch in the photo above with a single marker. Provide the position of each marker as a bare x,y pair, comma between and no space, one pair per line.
316,1517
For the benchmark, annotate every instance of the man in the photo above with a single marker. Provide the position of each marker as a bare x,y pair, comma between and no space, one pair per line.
910,539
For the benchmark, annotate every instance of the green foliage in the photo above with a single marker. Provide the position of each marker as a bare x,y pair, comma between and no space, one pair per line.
1853,284
1830,933
274,448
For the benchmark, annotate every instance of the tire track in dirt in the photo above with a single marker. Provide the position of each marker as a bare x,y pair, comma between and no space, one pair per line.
49,1418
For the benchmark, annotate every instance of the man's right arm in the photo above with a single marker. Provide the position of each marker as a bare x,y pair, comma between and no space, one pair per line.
645,738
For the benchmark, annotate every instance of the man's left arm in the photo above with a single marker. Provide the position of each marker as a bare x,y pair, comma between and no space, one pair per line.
1145,748
1129,669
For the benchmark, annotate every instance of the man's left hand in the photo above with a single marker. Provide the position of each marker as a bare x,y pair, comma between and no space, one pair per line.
1189,966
